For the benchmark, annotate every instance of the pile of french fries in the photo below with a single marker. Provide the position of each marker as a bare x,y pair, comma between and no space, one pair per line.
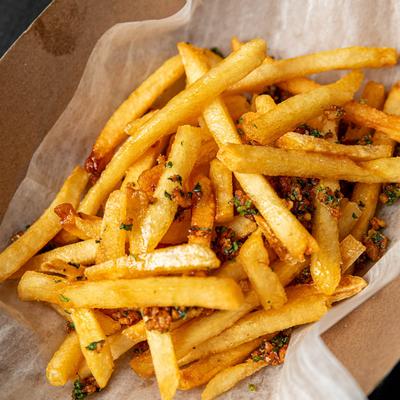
183,248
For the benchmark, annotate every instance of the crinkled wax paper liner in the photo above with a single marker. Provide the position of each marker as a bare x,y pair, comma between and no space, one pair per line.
29,333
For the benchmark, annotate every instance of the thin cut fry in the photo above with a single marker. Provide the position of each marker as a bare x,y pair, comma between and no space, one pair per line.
229,377
222,294
203,213
202,371
297,109
161,213
113,228
297,141
237,105
346,58
349,214
280,162
183,106
178,231
221,178
264,103
242,226
348,287
254,258
167,261
65,362
350,249
232,269
165,364
132,108
286,226
44,229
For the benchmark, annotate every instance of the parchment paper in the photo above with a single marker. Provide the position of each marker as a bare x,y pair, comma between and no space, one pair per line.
123,57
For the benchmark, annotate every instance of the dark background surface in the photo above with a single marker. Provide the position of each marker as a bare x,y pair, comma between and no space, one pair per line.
15,18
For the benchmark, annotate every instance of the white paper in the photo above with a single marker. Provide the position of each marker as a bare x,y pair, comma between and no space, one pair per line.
123,57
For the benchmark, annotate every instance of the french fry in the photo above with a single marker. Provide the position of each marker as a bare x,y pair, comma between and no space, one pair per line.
221,178
202,371
287,270
285,225
235,43
254,258
113,228
178,231
299,85
161,213
178,110
264,103
297,141
166,261
134,125
345,58
368,194
94,345
82,226
207,152
229,377
149,179
349,214
242,226
65,362
237,105
145,162
304,305
350,249
373,95
82,253
208,292
108,325
132,108
70,270
44,229
297,109
165,364
387,168
276,162
203,213
231,269
325,263
348,287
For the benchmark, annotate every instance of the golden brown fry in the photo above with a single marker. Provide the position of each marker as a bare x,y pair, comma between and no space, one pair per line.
132,108
44,229
325,263
94,345
165,261
297,141
221,178
165,364
178,231
254,258
221,293
231,269
203,213
345,58
237,105
113,228
276,162
349,214
160,214
287,270
349,286
300,108
264,103
65,362
242,226
202,371
183,106
229,377
70,270
350,249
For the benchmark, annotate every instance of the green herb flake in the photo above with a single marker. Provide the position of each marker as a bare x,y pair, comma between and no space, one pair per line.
64,299
252,387
240,120
197,188
98,240
126,227
354,216
167,195
361,204
57,280
93,346
168,164
77,391
217,51
176,178
256,358
71,325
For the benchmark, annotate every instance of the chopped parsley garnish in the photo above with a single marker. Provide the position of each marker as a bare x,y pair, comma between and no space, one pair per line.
126,227
279,341
176,178
243,205
64,299
354,216
167,195
217,51
304,129
73,264
71,325
256,358
93,346
390,194
98,240
168,164
361,204
252,387
240,120
77,391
